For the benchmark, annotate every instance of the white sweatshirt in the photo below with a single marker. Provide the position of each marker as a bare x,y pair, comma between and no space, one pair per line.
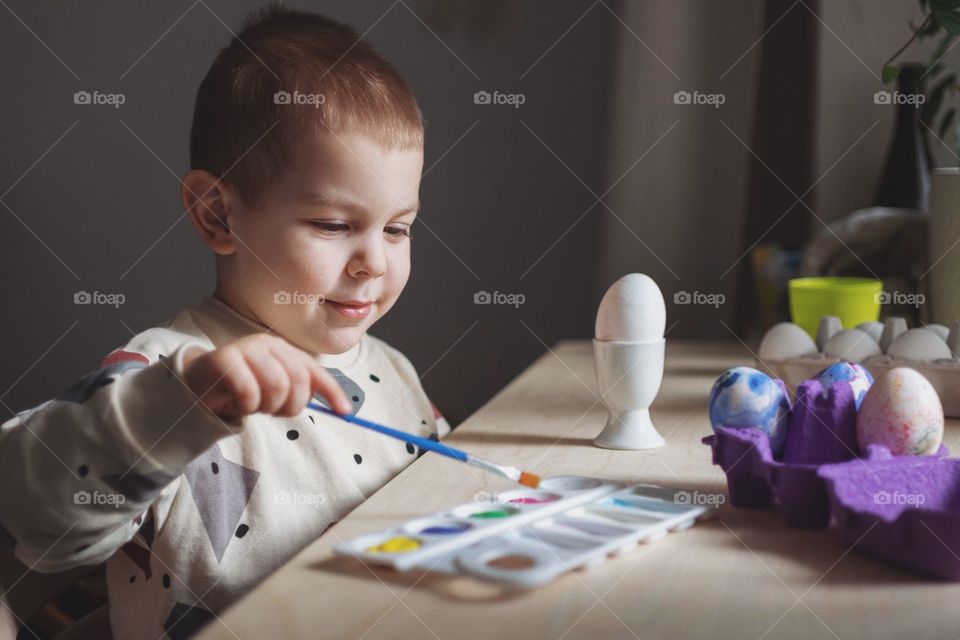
190,512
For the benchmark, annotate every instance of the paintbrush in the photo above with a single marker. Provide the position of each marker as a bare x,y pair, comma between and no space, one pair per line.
523,477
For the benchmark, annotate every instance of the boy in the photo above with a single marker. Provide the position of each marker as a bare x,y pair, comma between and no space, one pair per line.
188,461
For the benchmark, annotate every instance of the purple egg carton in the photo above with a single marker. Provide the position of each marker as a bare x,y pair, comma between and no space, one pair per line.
893,507
905,510
822,431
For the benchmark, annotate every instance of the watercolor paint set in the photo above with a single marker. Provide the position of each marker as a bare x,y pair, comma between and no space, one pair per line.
528,537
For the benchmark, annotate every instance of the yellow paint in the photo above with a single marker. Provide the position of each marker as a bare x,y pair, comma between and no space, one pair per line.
399,544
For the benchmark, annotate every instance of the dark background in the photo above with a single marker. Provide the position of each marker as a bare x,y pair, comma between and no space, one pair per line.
89,194
100,200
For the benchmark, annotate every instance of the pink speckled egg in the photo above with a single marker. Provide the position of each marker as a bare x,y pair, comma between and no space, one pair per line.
902,412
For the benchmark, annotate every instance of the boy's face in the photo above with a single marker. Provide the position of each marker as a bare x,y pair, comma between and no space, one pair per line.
325,253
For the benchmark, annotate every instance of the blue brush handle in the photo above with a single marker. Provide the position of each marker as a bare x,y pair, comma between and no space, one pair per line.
423,443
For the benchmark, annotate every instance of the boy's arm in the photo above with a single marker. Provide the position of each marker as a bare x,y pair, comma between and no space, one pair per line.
81,469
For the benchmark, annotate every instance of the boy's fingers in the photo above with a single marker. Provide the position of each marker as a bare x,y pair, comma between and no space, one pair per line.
297,364
272,378
242,393
329,388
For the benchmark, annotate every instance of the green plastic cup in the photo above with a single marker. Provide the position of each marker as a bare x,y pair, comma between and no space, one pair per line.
853,300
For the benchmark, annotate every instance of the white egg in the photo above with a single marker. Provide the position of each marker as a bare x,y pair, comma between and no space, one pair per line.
853,345
919,345
784,341
875,329
632,310
953,338
938,329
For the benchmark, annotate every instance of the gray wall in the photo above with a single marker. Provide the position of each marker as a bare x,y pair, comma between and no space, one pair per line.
867,33
685,198
99,202
501,211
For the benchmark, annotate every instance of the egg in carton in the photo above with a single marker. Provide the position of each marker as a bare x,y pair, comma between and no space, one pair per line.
772,450
788,353
865,456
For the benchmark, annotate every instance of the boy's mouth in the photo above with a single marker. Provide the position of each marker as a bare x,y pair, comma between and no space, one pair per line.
353,309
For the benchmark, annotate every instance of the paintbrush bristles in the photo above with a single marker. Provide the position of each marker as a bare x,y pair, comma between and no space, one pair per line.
531,480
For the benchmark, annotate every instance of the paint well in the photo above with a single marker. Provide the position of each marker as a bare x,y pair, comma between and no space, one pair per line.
650,504
513,562
481,511
561,540
626,517
445,529
591,527
492,514
397,544
527,497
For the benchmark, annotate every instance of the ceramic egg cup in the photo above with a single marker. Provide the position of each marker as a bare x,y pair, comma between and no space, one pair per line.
629,376
893,507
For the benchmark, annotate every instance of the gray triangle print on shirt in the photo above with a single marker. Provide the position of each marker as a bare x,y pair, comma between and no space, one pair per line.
220,489
354,393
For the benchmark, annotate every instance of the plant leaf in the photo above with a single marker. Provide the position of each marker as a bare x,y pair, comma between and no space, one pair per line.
932,27
890,73
949,19
939,5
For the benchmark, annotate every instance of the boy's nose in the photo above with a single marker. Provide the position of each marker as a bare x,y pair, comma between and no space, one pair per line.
369,258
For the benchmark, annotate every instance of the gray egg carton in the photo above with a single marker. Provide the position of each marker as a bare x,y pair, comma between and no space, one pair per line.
942,372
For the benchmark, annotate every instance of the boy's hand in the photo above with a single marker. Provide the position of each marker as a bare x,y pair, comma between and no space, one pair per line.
260,374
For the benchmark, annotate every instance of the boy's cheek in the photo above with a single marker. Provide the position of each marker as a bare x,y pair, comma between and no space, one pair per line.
402,277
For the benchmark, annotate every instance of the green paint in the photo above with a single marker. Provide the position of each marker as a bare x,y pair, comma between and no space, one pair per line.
498,513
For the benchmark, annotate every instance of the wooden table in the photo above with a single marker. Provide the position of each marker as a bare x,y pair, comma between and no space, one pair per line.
744,574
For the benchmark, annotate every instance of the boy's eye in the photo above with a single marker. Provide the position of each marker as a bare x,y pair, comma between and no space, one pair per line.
397,231
336,227
332,227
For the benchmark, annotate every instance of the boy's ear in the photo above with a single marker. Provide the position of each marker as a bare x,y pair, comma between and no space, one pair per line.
208,202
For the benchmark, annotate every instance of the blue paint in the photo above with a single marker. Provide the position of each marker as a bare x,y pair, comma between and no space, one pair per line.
445,530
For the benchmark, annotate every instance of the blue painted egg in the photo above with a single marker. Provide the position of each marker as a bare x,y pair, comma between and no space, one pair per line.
743,397
850,373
